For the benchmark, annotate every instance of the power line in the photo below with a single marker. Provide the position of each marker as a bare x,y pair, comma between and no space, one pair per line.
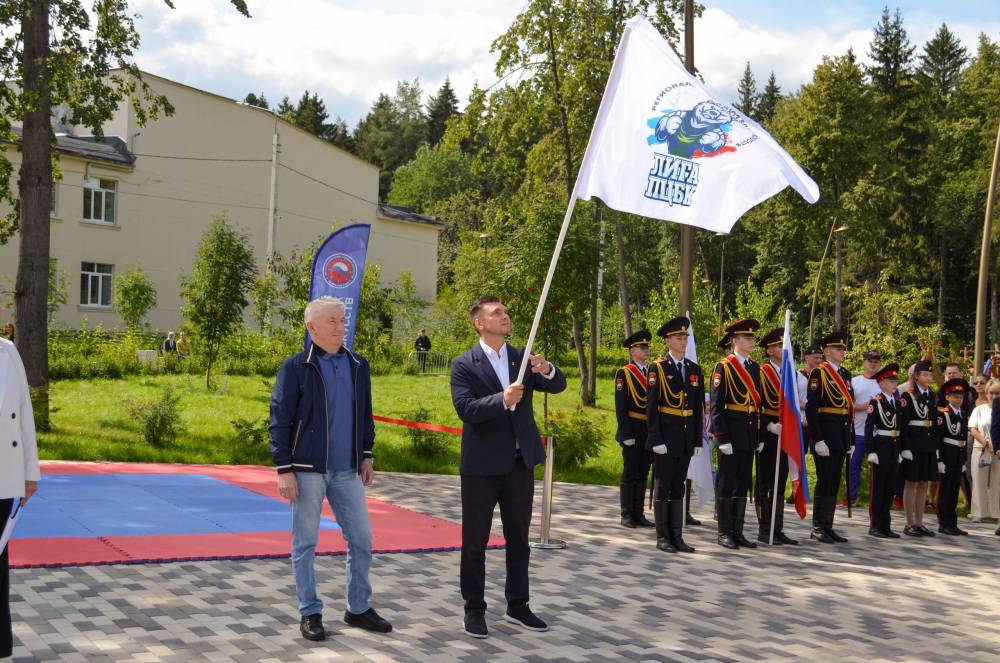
167,156
329,186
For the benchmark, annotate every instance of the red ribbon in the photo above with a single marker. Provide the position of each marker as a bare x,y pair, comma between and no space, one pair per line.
418,424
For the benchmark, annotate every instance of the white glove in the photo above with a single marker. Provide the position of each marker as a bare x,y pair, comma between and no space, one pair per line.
900,459
941,467
906,455
850,450
760,447
774,428
964,466
697,451
660,449
726,449
628,443
822,449
873,459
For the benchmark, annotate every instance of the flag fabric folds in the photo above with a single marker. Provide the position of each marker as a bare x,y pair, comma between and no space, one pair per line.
337,271
662,146
700,467
792,438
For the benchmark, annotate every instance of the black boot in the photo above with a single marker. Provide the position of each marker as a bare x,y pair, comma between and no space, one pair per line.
779,526
638,497
626,492
675,524
661,512
725,510
688,518
831,510
764,522
820,527
739,515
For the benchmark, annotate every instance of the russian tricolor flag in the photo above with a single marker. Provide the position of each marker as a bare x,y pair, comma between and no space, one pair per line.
792,439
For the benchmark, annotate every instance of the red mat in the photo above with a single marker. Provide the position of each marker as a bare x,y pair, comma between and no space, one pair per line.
394,529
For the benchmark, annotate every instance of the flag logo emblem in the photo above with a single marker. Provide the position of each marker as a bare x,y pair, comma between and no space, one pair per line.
340,270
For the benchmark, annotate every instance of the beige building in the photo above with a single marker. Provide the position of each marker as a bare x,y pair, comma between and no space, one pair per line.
146,194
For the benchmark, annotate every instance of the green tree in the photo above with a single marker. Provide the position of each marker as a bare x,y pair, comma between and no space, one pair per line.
134,296
436,173
90,71
767,102
264,294
375,138
747,91
440,108
256,100
341,136
310,114
215,292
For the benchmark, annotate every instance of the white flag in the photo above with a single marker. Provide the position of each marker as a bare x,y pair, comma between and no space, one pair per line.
700,467
663,147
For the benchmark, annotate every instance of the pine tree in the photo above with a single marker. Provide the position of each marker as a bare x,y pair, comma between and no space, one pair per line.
747,90
341,136
440,108
286,110
375,138
940,65
768,100
310,114
256,100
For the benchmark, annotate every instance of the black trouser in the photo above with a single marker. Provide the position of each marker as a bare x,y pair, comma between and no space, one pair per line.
480,494
828,471
948,495
735,473
670,473
765,484
636,461
6,634
883,487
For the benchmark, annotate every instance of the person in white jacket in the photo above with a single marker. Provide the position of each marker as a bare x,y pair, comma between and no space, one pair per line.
19,471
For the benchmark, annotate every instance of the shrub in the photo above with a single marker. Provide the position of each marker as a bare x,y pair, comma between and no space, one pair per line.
425,443
578,438
160,419
253,432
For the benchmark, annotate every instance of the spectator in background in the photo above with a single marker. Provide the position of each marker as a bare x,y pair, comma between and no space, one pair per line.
8,331
979,384
985,477
183,347
422,345
865,389
169,344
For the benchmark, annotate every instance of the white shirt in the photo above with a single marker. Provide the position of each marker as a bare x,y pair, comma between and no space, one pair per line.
865,389
980,420
498,360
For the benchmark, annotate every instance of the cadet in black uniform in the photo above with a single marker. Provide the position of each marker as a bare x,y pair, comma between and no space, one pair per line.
674,405
630,408
882,447
770,383
953,432
918,441
735,421
830,417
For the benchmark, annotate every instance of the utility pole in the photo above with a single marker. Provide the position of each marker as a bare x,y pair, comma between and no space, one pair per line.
984,260
687,232
272,207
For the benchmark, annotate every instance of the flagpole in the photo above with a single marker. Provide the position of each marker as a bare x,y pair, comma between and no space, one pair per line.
687,231
777,455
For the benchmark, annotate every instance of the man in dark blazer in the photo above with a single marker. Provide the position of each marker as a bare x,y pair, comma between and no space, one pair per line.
500,446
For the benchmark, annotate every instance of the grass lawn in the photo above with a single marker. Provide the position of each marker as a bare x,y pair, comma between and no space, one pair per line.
91,422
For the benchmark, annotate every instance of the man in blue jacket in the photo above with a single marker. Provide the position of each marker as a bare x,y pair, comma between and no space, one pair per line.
500,446
322,432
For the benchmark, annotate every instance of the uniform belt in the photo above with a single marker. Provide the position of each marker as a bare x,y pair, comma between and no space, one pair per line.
922,423
833,410
677,413
769,412
741,408
886,433
957,443
637,415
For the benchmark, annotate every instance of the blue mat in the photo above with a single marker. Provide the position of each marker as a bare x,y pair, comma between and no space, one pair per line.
91,505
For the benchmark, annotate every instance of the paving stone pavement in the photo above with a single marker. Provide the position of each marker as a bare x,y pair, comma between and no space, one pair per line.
611,596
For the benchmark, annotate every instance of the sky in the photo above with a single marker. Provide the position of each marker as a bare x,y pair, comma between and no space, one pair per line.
349,51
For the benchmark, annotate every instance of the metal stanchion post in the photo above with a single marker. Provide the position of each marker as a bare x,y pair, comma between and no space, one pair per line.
544,542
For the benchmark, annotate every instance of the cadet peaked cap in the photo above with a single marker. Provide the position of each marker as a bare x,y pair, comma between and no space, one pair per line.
641,337
922,366
890,372
837,339
678,325
955,386
774,337
812,350
748,326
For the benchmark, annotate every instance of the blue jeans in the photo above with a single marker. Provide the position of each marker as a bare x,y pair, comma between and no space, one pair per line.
857,461
346,495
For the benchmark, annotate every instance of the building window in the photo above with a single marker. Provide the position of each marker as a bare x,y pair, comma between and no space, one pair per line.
99,200
95,284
